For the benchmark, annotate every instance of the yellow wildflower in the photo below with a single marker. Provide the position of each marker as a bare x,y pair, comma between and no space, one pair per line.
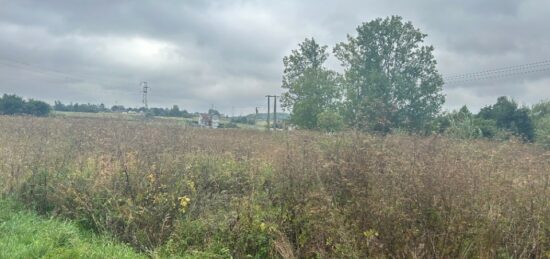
262,227
184,203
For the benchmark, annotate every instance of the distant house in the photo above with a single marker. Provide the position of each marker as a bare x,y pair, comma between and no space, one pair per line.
209,121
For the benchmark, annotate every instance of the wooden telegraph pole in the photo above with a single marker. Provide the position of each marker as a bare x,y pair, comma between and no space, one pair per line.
268,109
274,110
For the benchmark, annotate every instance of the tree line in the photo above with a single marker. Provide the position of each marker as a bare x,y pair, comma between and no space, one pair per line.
15,105
96,108
501,120
389,82
11,104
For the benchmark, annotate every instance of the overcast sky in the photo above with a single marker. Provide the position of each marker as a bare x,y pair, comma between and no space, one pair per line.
229,53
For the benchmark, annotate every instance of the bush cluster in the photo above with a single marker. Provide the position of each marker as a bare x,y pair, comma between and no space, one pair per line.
501,121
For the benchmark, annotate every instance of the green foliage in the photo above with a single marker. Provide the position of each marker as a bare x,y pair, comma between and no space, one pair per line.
212,112
175,112
11,104
25,235
490,130
15,105
391,79
465,128
330,121
463,124
500,121
249,119
509,117
311,88
95,108
541,109
80,107
540,114
37,108
116,108
542,132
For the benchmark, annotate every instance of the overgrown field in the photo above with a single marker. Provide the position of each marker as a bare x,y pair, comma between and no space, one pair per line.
169,190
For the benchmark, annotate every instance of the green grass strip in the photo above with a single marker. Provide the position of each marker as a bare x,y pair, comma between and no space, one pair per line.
27,235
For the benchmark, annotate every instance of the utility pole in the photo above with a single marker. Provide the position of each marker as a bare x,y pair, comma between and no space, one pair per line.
268,109
275,112
145,90
256,116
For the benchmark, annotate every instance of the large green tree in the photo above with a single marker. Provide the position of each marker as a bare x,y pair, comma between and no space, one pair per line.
311,88
391,78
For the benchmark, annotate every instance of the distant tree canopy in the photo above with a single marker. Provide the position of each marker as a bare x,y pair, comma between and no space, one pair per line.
76,107
250,119
498,121
165,112
390,80
508,116
15,105
95,108
213,112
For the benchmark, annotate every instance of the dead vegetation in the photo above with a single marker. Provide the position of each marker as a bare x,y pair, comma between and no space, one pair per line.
171,190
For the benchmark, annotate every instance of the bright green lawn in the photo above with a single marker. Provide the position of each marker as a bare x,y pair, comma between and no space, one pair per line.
26,235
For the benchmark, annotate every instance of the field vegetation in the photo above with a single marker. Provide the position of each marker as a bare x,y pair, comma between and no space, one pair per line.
174,191
26,235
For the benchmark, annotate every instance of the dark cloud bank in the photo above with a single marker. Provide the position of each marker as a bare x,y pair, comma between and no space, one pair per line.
229,53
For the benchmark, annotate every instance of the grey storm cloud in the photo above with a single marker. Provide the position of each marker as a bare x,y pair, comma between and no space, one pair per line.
229,53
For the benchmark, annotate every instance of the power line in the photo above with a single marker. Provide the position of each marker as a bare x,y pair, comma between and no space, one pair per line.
57,74
502,69
29,68
499,73
51,73
497,77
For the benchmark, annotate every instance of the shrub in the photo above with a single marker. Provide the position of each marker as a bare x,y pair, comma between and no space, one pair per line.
330,121
37,108
542,132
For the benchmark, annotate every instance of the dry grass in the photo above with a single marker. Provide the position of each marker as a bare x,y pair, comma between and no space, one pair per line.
297,194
